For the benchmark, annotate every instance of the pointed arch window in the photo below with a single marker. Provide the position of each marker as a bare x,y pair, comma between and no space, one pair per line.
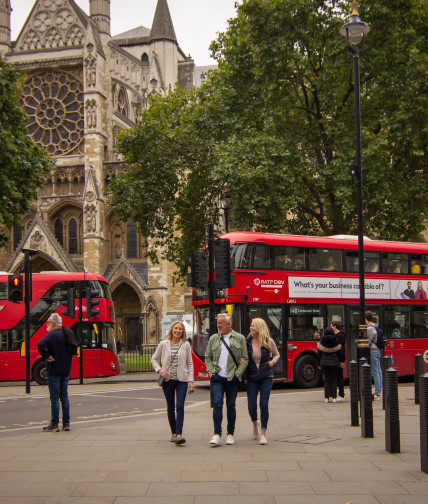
59,232
145,59
72,237
131,240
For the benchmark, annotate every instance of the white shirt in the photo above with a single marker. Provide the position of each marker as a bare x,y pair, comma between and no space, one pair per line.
224,354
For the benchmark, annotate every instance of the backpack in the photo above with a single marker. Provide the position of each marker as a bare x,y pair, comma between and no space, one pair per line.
72,340
380,341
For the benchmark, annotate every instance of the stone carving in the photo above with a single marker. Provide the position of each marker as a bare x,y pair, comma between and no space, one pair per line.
91,71
90,212
64,19
91,113
54,104
42,21
37,239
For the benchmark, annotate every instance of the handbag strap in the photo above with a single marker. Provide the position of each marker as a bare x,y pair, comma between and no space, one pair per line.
229,350
175,355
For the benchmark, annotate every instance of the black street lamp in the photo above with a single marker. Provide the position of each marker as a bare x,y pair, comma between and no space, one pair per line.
225,205
355,32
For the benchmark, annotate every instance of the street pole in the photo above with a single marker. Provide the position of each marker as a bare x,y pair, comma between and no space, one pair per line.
80,329
27,299
211,281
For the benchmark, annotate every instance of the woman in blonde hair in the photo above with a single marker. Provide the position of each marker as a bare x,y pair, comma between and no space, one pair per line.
262,355
177,370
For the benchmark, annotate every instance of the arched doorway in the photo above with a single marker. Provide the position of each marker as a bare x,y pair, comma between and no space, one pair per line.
129,330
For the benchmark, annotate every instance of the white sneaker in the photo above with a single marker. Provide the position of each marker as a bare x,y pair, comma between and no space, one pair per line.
340,399
326,400
263,440
334,399
215,440
229,439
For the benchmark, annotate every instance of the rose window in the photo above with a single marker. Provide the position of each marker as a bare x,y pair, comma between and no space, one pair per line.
54,104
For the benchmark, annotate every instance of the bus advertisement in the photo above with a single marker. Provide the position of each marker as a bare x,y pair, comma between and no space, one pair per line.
98,342
299,284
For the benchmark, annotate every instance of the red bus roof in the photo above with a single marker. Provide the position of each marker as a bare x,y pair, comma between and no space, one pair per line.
337,242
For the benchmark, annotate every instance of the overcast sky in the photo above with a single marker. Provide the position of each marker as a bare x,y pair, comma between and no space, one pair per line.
196,22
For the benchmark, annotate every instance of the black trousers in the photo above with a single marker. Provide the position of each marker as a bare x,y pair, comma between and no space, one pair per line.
330,381
340,384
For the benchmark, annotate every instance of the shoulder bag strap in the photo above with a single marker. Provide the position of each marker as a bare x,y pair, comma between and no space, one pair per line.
229,350
175,355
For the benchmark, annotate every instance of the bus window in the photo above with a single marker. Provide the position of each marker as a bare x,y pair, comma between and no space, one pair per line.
3,290
325,260
261,258
288,258
371,262
420,322
242,256
419,264
397,322
304,321
395,263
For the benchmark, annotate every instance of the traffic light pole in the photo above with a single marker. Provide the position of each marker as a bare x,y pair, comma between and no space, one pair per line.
27,299
211,277
81,330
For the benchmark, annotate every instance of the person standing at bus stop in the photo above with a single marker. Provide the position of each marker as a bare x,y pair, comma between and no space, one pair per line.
375,355
337,328
262,356
54,348
226,358
330,357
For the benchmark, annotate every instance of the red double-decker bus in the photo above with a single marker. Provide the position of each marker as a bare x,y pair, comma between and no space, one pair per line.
98,343
299,284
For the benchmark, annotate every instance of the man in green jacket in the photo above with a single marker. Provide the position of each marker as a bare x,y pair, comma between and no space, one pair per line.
226,373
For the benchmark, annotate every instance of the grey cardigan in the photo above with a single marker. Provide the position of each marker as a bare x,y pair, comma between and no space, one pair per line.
185,362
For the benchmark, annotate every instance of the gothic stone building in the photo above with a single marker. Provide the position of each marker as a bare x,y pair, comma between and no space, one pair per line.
82,87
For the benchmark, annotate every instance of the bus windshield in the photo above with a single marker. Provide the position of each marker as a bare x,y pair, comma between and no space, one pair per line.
201,334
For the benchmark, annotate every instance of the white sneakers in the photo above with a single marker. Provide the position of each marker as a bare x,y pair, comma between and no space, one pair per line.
215,440
340,399
263,440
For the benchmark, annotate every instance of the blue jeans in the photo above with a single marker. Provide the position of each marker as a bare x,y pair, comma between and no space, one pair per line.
263,386
174,389
58,391
375,356
219,387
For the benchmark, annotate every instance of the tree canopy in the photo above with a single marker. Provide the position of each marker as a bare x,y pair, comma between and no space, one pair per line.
22,163
274,125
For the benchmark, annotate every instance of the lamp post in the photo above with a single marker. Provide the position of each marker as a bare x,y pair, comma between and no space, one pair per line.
225,205
355,32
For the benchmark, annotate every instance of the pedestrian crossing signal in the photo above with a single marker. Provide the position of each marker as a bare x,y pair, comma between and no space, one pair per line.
16,288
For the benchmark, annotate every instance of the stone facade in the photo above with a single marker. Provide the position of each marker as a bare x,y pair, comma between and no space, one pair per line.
82,87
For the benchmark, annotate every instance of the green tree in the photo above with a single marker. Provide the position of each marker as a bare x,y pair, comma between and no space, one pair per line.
22,163
275,125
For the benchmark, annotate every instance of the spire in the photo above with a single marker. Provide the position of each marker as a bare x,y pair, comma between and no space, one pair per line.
162,27
5,9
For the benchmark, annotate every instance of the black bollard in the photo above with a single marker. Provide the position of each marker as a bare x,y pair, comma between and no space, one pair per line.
385,363
423,415
353,389
392,417
361,363
366,403
419,370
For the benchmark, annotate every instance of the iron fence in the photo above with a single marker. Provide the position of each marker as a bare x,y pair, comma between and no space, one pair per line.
138,360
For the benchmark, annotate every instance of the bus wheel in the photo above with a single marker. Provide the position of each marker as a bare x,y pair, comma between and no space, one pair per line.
306,372
39,373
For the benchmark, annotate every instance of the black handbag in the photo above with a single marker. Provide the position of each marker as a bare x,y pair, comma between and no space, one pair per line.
161,379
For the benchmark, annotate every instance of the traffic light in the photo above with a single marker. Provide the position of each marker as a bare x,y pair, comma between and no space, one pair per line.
222,261
16,288
68,300
199,268
91,302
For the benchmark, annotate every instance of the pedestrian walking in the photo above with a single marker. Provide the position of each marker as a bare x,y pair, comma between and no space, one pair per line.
55,349
337,328
375,355
175,376
262,356
226,358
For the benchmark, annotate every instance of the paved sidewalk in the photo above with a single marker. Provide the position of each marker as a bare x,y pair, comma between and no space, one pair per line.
313,456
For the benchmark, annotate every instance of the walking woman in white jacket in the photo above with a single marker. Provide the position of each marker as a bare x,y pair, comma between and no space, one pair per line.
176,367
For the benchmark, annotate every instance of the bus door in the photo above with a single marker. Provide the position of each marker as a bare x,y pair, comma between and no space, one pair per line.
92,353
407,332
273,315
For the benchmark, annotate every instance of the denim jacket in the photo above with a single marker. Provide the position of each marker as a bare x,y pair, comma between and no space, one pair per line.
238,347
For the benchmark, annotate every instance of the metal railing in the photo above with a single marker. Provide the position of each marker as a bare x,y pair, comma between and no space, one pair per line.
138,360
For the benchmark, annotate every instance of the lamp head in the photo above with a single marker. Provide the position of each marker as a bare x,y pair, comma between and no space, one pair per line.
355,30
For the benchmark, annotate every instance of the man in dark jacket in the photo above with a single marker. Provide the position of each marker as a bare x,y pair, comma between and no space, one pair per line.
337,328
55,349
